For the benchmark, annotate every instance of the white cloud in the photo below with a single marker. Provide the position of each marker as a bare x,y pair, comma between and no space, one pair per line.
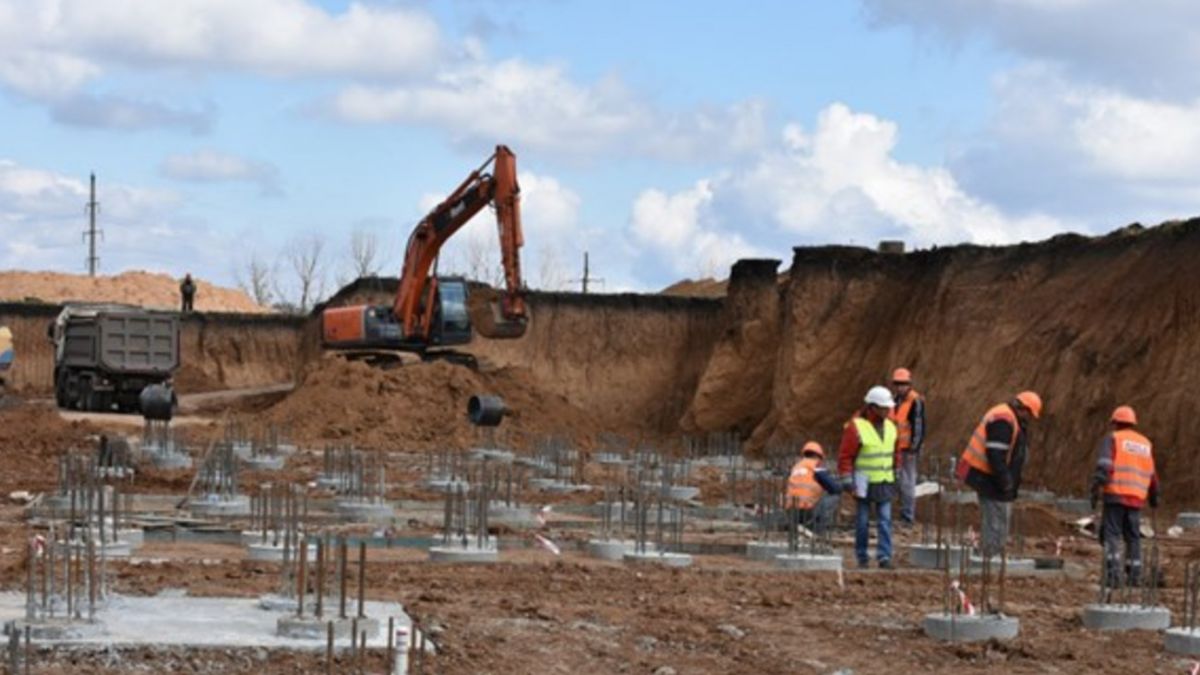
210,166
42,216
539,107
839,184
48,49
1146,48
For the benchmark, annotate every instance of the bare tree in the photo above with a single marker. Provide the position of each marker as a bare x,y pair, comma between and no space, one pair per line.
256,278
364,253
552,274
304,257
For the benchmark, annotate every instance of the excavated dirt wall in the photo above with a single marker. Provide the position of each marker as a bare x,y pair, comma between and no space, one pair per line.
1089,323
219,350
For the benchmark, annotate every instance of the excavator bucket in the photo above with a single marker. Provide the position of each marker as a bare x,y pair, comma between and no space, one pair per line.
483,305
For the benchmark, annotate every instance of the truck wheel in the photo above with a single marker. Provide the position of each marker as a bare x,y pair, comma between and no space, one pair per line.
86,397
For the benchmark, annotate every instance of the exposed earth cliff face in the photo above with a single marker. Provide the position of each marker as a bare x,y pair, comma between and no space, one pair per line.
1088,323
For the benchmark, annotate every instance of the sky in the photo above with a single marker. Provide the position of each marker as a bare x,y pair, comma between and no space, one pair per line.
665,139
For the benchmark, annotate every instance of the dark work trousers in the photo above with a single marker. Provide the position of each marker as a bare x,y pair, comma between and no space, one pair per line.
1121,523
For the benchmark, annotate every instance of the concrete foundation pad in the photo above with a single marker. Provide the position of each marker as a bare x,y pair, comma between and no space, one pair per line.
171,461
1188,520
930,557
443,484
264,462
328,482
807,562
365,512
1039,496
1182,641
512,516
613,549
1126,617
665,558
206,508
464,554
609,459
960,497
111,549
274,553
967,628
1081,507
1012,566
280,603
765,550
492,454
683,492
312,628
133,536
59,629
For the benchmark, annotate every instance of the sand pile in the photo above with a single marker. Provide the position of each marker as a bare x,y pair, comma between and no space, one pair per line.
416,407
32,437
147,289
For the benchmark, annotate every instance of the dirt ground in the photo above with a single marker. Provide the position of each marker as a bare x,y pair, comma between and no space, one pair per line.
147,289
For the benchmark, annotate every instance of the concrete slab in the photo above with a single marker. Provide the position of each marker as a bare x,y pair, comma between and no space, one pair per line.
110,549
311,628
441,484
1126,617
665,558
456,553
683,493
970,628
765,550
1182,641
1012,566
60,629
274,553
492,454
930,557
170,461
213,507
1188,520
806,562
1081,507
264,462
512,516
1038,496
172,618
960,497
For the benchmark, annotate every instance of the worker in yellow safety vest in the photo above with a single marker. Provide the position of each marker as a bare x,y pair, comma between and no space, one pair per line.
867,464
1126,480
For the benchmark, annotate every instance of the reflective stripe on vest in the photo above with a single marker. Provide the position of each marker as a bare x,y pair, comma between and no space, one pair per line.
899,415
803,490
876,456
975,456
1133,465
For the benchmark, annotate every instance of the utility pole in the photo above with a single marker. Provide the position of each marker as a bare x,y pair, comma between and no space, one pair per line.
92,261
587,278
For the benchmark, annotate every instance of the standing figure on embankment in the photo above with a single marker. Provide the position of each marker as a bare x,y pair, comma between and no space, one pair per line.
867,464
909,416
1126,479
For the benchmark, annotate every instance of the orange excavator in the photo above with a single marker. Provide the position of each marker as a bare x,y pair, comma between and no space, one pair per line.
432,312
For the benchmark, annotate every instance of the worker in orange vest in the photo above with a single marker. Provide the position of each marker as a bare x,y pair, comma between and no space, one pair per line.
810,480
1126,479
992,464
909,416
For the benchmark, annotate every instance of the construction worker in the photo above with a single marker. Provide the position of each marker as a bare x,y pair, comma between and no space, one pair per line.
909,416
810,480
1126,479
867,464
992,463
187,291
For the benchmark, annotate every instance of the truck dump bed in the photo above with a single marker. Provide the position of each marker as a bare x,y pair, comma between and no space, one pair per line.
123,342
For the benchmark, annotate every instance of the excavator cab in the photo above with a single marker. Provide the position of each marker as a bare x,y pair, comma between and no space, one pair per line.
452,323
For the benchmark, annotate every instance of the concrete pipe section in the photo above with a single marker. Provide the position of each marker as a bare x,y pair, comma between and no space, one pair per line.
970,628
485,410
1182,641
1126,617
808,562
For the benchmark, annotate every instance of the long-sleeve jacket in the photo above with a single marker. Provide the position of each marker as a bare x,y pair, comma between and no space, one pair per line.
851,444
1105,461
1005,479
916,420
827,480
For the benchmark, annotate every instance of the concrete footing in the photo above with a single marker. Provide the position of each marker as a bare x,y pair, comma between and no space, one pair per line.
664,558
236,506
134,537
1181,640
683,492
1081,507
1039,496
807,562
609,459
492,454
968,628
1188,520
556,486
443,483
457,553
110,549
171,461
1012,566
931,557
355,511
765,550
613,549
512,516
264,462
280,603
1126,617
59,629
313,628
274,552
960,497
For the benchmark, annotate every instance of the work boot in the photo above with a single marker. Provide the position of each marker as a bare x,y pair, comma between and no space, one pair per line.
885,564
863,564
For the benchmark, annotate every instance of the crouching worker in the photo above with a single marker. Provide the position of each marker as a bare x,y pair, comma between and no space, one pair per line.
809,482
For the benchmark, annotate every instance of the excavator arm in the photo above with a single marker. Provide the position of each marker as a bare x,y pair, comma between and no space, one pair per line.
503,317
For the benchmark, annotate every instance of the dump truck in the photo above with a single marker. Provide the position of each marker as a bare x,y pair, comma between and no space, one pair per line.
105,354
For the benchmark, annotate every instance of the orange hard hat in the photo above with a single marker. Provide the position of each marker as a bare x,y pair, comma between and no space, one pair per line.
813,447
1124,415
1032,402
901,375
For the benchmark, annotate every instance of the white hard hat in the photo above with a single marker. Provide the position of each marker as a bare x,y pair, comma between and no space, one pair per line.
881,397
